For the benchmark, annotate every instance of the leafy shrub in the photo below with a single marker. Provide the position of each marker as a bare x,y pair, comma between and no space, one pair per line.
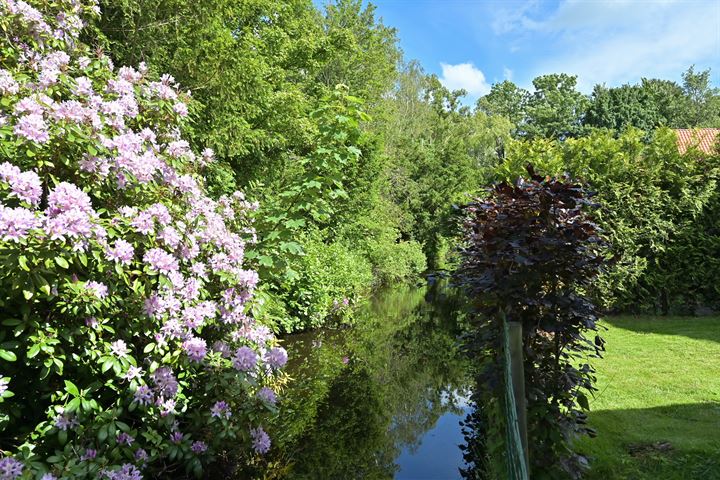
319,246
376,236
126,345
530,251
307,210
333,278
653,198
395,262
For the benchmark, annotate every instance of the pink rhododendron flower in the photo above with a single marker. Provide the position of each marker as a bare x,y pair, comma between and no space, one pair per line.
181,109
165,382
122,252
261,440
32,127
125,439
160,260
67,197
119,348
98,289
195,348
277,357
143,395
10,468
89,454
199,447
221,410
8,85
16,223
245,359
267,394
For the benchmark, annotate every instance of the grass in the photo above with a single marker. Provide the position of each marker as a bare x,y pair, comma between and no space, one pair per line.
657,413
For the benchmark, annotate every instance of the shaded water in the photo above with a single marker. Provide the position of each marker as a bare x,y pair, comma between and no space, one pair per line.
381,400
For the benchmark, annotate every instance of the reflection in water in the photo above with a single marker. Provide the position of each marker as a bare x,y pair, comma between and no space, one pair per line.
381,400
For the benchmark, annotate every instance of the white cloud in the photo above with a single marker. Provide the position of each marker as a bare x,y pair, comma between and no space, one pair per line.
618,41
511,19
464,76
507,74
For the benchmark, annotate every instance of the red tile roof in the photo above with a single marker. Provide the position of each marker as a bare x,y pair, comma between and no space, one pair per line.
702,138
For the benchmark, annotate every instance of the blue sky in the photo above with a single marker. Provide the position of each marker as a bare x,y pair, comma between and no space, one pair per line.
472,44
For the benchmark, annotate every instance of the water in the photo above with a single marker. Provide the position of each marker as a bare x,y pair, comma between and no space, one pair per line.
381,400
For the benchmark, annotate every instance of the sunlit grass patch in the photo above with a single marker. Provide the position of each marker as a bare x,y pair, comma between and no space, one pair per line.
658,409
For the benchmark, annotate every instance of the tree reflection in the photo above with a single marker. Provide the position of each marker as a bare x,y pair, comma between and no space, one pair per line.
360,396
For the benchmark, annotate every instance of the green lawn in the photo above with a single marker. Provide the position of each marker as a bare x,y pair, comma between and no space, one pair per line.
658,409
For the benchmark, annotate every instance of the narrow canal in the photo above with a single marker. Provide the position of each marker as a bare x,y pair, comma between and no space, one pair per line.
382,400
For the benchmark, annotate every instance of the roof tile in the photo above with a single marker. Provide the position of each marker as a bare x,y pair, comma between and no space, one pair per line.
702,138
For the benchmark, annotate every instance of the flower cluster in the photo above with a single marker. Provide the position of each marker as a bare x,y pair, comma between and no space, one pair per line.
132,280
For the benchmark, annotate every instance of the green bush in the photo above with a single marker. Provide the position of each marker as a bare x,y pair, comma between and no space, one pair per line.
332,278
395,262
377,237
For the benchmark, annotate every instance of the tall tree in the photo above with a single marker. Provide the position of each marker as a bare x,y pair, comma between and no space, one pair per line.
622,107
362,52
669,99
438,150
505,99
703,100
555,109
655,102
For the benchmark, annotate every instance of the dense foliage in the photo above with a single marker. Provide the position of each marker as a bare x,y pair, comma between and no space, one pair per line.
133,316
276,119
245,63
127,340
439,152
530,252
660,212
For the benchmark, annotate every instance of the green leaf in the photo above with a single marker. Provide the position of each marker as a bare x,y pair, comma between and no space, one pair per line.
7,355
265,261
73,405
107,365
22,261
291,247
313,184
102,433
34,350
62,263
149,348
583,401
291,275
71,388
292,224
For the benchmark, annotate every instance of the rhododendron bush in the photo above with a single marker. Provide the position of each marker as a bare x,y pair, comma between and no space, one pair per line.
127,347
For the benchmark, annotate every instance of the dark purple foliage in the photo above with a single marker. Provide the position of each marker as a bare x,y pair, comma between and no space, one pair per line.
530,253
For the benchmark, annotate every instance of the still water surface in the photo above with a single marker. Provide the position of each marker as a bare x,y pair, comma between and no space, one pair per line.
381,400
